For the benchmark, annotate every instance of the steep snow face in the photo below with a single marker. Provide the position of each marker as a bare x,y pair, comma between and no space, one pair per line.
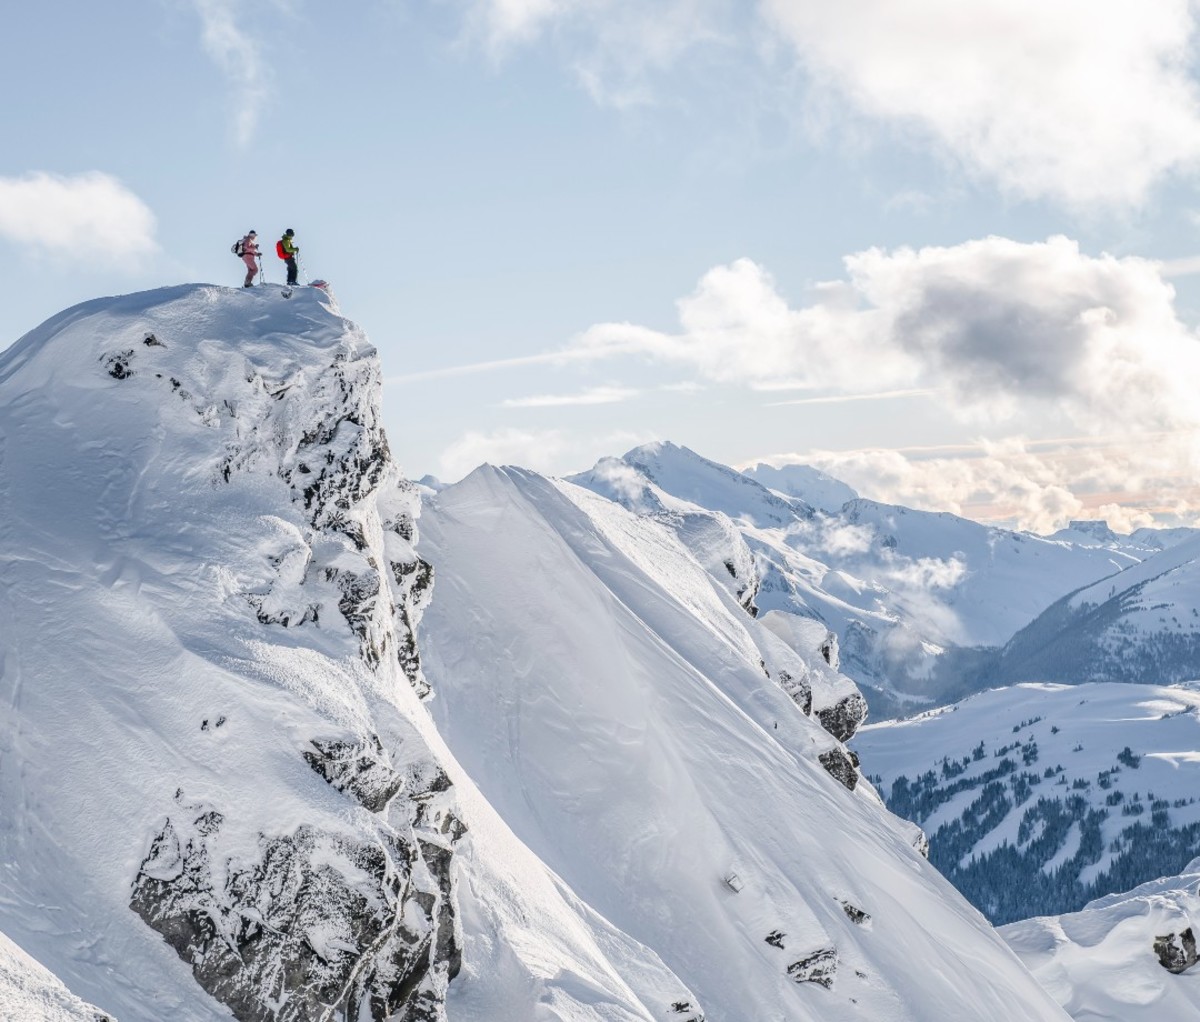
209,671
219,790
631,722
1142,625
1037,798
30,993
1122,958
901,588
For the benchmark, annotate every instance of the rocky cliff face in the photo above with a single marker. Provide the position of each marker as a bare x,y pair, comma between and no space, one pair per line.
256,489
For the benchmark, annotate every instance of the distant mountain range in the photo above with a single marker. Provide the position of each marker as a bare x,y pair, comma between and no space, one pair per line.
926,606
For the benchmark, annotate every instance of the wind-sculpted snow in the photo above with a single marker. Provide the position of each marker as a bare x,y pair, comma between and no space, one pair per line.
1122,958
1039,798
30,993
629,720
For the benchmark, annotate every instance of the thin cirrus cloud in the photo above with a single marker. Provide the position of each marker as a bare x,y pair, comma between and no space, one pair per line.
238,56
77,217
591,396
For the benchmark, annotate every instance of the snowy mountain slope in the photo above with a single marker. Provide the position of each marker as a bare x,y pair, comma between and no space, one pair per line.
1037,798
220,794
29,993
631,723
811,485
1115,959
1142,625
900,588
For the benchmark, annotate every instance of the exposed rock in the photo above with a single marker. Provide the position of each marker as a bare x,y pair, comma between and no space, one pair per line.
831,653
843,718
820,967
855,914
358,769
775,938
118,364
1176,951
319,923
799,689
838,763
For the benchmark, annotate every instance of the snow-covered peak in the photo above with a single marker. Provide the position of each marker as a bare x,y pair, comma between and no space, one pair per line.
686,475
651,741
811,485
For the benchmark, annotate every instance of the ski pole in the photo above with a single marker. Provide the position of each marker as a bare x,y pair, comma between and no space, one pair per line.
303,269
262,277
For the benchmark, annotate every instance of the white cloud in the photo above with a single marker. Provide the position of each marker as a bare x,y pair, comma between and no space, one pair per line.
1010,336
539,450
612,46
1130,480
591,396
82,216
238,56
996,325
1080,101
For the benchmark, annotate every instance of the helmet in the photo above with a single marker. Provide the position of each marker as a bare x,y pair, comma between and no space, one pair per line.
288,233
252,234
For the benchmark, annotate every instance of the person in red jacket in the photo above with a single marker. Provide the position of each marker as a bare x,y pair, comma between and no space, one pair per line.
287,250
250,257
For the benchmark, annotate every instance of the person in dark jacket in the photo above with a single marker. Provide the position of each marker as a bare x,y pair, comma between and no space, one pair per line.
288,250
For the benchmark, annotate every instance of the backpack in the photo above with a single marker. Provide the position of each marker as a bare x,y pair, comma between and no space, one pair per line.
237,248
279,249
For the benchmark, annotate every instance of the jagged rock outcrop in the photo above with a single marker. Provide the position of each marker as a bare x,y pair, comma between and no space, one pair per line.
844,717
838,763
1176,951
820,967
317,925
357,768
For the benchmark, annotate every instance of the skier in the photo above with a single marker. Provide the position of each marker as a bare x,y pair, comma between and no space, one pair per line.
249,255
287,250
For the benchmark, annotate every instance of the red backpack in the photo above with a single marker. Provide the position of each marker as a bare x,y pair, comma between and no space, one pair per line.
279,249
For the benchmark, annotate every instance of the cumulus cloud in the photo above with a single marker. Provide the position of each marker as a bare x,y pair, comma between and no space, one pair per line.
996,325
1006,333
1079,100
81,216
238,56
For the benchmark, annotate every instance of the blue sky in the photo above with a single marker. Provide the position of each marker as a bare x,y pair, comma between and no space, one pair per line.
943,250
